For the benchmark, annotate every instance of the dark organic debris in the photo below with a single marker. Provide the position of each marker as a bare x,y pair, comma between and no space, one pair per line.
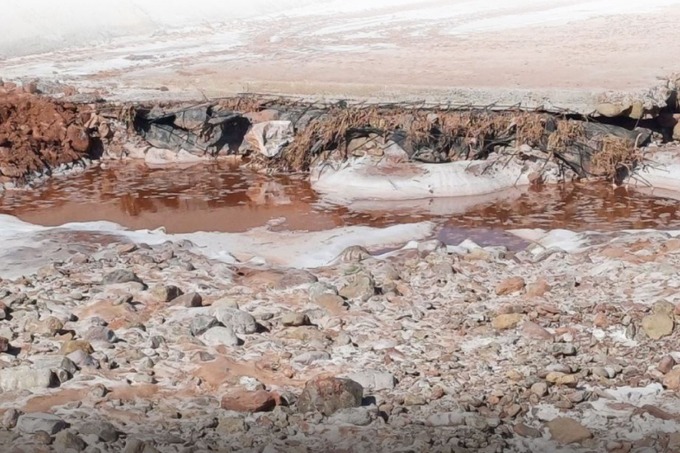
202,130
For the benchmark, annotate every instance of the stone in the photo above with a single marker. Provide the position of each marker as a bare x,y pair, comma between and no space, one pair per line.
374,380
50,326
666,364
506,321
331,302
361,287
538,288
10,418
4,344
672,379
539,389
565,430
100,333
104,431
189,300
357,416
293,319
446,419
526,431
563,349
657,325
134,445
220,336
238,320
67,441
610,109
329,395
269,138
432,246
663,307
32,423
533,331
25,378
200,324
510,285
248,401
309,357
120,276
166,293
76,345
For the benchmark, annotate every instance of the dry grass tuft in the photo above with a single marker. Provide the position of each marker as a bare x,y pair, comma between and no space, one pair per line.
616,153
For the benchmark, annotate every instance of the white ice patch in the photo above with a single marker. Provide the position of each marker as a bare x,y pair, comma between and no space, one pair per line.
296,248
569,241
363,179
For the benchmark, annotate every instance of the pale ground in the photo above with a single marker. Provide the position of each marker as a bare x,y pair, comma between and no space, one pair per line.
558,53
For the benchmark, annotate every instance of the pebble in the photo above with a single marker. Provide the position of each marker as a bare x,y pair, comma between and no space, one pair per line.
120,276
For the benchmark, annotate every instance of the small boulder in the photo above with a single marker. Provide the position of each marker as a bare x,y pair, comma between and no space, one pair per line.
32,423
566,431
510,285
248,401
329,394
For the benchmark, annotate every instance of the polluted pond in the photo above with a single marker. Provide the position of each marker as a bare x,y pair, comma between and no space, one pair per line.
263,274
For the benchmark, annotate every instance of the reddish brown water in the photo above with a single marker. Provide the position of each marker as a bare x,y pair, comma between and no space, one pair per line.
217,197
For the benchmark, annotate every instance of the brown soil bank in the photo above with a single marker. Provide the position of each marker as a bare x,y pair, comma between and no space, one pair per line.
38,133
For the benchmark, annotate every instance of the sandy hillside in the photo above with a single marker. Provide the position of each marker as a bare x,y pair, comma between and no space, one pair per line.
562,52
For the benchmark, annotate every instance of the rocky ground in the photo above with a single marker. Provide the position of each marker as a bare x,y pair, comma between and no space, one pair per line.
127,347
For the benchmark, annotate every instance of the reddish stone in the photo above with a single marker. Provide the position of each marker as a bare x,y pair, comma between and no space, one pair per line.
249,401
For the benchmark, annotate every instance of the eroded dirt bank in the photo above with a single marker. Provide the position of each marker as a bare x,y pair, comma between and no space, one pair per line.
379,142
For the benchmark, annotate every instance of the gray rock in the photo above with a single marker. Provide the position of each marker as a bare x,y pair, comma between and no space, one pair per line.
359,416
360,286
166,293
329,395
319,288
238,320
104,431
217,336
83,360
32,423
189,300
134,445
54,363
10,418
101,333
120,276
67,441
563,349
25,378
374,380
293,319
447,419
309,357
431,246
200,324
